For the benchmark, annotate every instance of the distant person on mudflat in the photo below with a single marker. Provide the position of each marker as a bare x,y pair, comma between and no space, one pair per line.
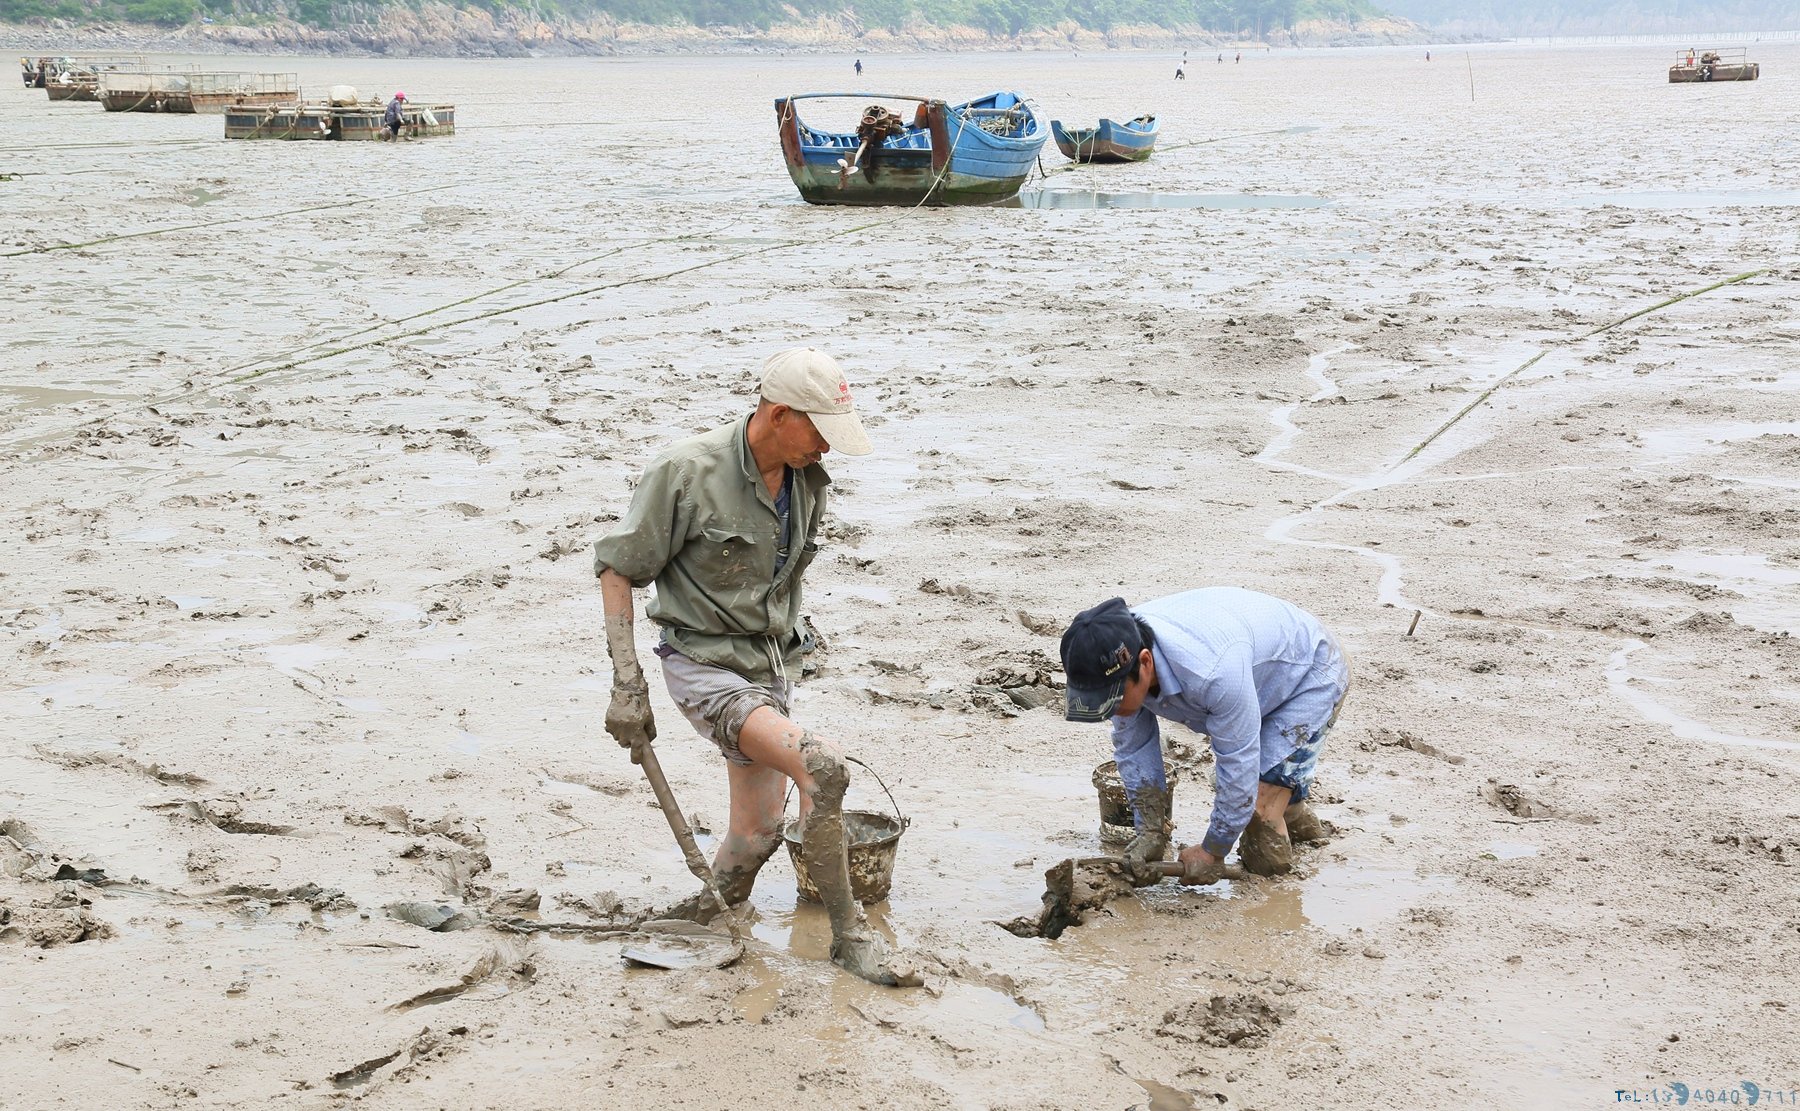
395,116
1180,76
859,67
1262,678
725,524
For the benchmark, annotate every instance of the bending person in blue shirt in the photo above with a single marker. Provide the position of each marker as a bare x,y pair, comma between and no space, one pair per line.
1260,677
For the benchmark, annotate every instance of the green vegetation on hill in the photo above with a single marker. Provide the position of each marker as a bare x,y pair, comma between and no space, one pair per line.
1003,17
166,12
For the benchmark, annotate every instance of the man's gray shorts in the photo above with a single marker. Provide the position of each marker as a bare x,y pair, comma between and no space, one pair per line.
717,701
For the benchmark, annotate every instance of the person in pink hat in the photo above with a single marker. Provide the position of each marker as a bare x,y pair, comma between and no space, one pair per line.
395,117
725,524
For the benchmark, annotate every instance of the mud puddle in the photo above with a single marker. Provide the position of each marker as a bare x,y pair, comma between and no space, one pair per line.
1770,601
1676,199
1073,198
1163,1097
1669,444
959,1005
47,397
1620,678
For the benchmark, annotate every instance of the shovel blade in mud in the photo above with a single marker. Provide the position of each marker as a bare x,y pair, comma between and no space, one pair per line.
677,945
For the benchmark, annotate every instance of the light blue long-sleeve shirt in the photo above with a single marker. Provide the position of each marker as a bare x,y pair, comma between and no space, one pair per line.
1256,674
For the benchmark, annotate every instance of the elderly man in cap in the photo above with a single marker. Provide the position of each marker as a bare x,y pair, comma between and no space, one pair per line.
725,524
1260,677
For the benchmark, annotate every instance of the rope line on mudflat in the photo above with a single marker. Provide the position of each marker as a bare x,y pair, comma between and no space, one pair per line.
117,143
1531,362
590,290
473,297
221,223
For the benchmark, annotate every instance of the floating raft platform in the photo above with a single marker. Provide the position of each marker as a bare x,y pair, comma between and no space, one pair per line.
1713,65
323,121
187,93
75,78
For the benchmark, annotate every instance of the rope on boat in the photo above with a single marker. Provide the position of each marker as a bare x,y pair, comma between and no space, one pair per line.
1529,363
222,223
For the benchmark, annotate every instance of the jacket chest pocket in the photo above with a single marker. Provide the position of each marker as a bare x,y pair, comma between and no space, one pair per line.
731,555
804,556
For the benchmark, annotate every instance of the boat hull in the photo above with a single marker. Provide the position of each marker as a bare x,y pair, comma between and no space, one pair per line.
1108,142
77,91
904,187
136,101
319,122
1682,75
943,159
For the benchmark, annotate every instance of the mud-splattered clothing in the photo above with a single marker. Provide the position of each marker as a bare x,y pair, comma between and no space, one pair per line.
704,529
717,701
1259,676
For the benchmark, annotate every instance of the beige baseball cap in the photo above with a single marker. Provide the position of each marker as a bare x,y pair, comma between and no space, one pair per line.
810,381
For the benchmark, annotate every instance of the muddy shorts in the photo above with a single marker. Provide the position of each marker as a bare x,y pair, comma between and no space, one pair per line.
717,701
1296,773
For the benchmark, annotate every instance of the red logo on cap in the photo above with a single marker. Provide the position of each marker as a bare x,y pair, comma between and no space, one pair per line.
844,392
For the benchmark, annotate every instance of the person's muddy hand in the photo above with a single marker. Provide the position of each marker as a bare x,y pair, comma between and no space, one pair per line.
1200,868
628,717
1143,854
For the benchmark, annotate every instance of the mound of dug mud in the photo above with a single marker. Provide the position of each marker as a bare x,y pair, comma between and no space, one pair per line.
1242,1019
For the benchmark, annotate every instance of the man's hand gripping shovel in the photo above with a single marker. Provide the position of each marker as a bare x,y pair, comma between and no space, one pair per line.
673,943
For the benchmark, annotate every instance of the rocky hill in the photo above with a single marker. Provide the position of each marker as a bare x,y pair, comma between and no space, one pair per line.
437,29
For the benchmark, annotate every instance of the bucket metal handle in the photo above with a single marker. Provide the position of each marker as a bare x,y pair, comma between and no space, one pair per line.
904,820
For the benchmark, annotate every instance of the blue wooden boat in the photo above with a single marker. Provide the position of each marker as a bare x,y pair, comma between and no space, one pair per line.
1109,142
974,153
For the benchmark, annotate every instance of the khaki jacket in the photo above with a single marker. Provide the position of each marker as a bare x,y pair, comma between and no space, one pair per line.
703,528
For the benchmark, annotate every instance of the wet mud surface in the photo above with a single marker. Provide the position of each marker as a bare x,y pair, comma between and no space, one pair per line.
298,622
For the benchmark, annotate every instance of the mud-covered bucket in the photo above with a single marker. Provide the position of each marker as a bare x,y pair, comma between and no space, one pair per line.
874,844
1116,822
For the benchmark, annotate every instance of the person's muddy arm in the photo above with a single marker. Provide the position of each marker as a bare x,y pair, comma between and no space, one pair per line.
1235,730
633,554
1137,746
628,718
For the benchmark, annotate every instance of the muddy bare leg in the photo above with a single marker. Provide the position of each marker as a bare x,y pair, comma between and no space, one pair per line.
756,813
1303,825
854,946
818,771
1264,847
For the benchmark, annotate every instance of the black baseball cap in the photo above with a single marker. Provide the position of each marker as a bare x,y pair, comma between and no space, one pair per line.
1098,648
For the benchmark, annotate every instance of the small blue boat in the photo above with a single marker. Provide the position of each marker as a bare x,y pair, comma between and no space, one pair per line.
974,153
1108,142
